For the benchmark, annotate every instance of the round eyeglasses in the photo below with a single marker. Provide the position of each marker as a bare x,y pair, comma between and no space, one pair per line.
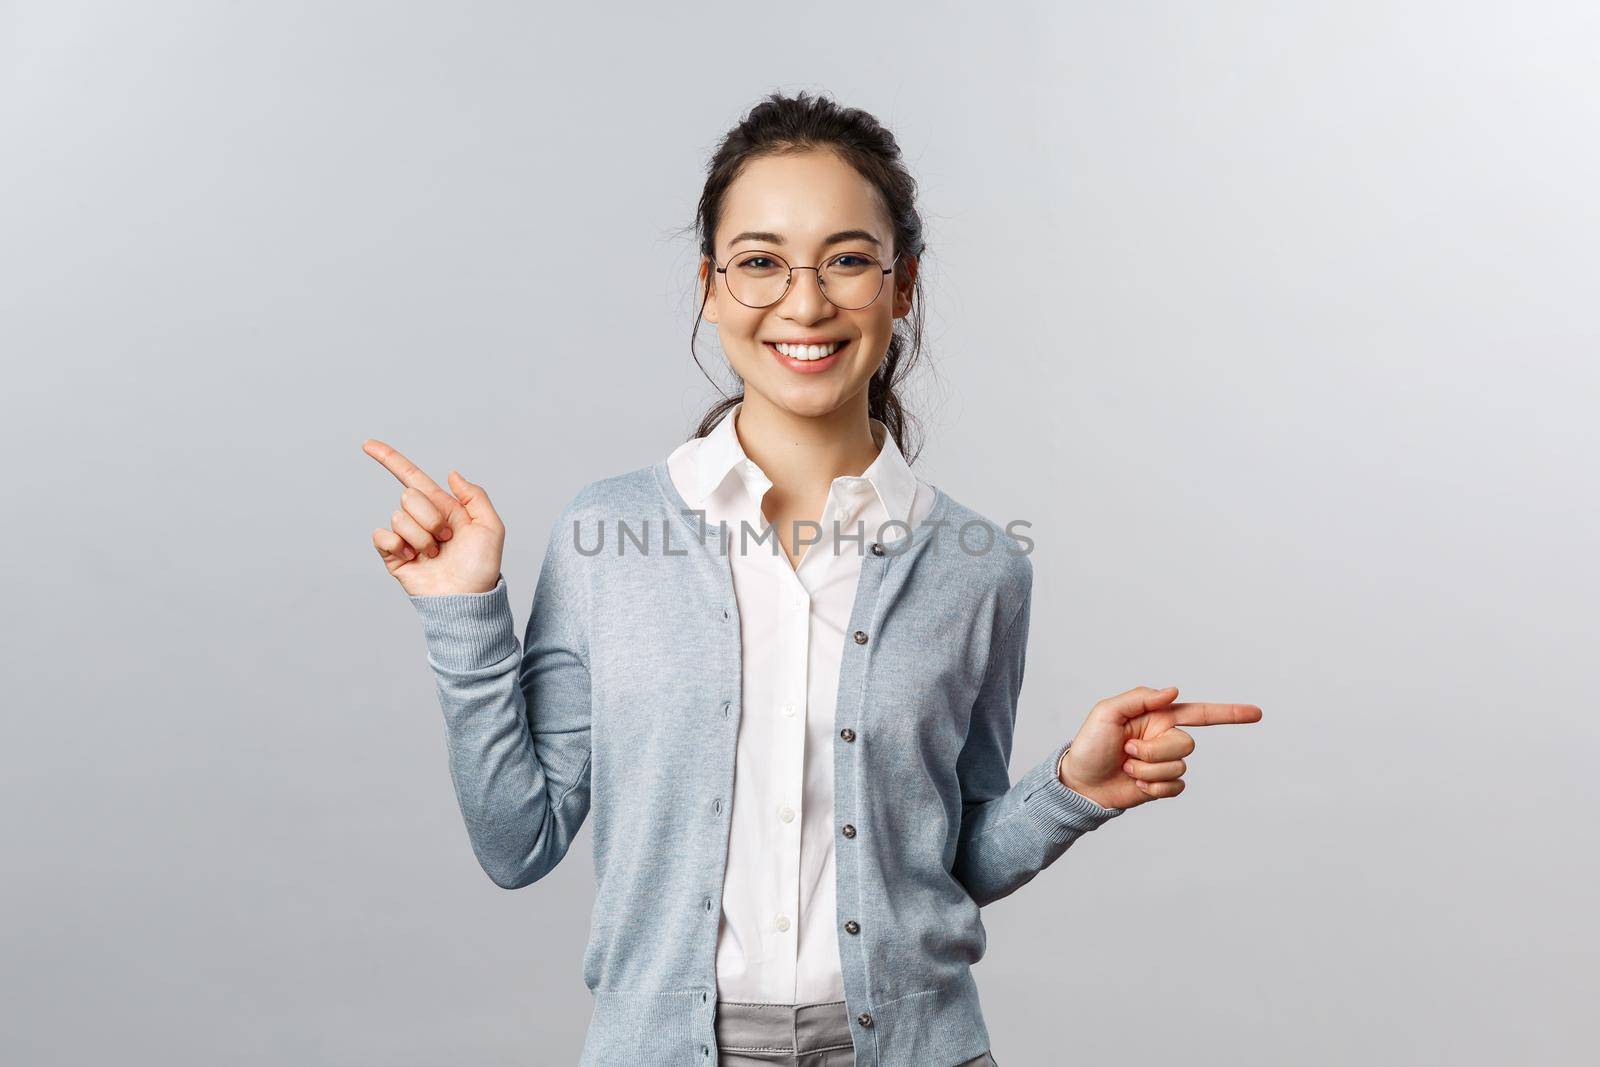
849,281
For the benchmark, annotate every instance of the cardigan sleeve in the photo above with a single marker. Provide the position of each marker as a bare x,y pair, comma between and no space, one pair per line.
516,719
1009,833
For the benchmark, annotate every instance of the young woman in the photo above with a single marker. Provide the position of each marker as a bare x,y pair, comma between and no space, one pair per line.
780,667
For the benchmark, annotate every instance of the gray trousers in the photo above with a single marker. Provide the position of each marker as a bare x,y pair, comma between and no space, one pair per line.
793,1035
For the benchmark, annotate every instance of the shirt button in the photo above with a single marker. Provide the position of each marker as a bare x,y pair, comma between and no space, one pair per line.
840,514
865,1018
848,734
726,706
849,831
852,927
786,813
860,636
877,549
783,922
717,805
788,709
706,903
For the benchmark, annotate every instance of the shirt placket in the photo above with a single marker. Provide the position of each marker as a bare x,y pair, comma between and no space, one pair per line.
792,695
788,766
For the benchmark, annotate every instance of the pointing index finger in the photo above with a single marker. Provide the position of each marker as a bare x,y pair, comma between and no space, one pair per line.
1198,713
401,467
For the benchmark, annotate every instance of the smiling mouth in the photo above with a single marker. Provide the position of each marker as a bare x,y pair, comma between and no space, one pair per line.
805,353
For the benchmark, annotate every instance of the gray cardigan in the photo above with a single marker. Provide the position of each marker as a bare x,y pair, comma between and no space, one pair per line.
624,697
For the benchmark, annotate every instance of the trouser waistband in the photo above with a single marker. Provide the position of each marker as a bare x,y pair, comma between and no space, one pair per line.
795,1028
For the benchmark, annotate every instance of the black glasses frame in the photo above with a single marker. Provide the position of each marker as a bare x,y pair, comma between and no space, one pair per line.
789,278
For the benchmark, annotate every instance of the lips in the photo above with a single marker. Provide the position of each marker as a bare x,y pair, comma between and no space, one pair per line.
807,366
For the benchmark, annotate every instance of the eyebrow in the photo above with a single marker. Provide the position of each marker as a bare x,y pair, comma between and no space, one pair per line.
831,239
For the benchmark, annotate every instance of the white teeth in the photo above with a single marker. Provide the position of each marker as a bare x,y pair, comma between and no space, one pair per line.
808,351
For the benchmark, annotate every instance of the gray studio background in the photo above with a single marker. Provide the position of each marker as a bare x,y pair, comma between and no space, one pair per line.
1278,322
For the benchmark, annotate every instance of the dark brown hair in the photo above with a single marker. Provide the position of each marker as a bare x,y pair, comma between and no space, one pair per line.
780,125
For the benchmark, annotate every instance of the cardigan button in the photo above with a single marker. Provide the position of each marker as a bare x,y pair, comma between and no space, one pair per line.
865,1018
877,549
848,734
849,831
852,927
861,637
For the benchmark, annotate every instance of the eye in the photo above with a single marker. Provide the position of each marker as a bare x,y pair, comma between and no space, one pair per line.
850,259
756,263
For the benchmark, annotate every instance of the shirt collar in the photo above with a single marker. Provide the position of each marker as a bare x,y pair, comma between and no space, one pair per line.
720,453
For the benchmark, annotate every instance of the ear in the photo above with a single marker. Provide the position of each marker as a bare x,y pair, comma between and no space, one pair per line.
708,279
903,286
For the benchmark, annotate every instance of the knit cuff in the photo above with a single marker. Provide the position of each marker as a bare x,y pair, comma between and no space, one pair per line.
1058,812
468,631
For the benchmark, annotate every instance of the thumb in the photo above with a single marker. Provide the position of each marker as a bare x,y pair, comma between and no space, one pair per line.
474,499
1140,700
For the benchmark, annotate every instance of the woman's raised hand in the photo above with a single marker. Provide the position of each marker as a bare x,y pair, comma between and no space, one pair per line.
438,543
1130,751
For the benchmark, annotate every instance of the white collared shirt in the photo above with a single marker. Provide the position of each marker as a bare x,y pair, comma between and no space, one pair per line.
777,942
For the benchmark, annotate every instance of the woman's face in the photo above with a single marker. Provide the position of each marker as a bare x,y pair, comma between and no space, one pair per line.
795,204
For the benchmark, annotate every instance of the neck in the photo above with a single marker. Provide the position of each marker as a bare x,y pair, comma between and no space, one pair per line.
803,454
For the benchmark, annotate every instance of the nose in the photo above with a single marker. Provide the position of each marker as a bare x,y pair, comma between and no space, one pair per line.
805,300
